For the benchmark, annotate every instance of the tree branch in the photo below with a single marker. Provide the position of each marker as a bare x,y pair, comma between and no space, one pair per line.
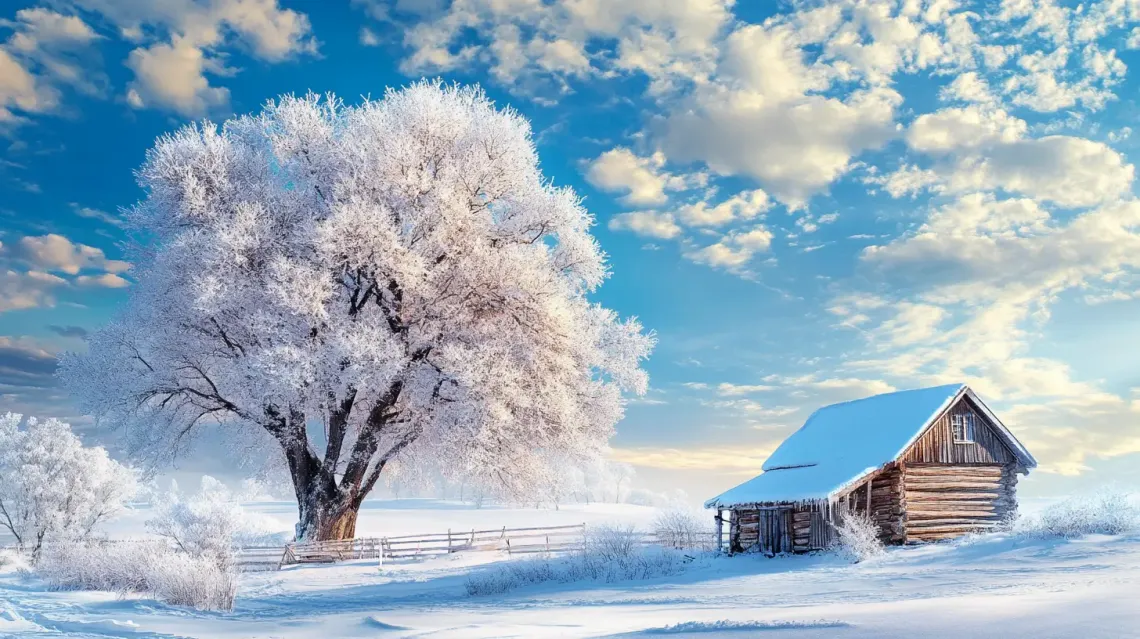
338,426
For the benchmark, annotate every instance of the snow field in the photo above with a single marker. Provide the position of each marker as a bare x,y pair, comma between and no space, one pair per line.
986,586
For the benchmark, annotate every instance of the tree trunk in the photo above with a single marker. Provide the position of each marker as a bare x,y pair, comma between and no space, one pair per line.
327,521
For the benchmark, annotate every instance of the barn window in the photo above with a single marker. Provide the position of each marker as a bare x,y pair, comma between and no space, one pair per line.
963,424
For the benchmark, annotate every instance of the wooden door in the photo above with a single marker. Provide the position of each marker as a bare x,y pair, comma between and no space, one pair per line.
775,531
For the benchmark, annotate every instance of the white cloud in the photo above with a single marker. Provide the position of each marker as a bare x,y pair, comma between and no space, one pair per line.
96,214
106,280
762,117
643,179
170,73
368,37
172,76
1043,84
957,129
646,223
46,52
745,205
20,90
983,149
979,247
31,289
54,252
726,389
734,250
522,39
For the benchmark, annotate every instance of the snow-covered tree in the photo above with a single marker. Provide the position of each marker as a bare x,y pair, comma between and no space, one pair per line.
52,487
361,283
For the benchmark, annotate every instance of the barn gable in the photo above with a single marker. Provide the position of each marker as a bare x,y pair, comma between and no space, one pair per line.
940,444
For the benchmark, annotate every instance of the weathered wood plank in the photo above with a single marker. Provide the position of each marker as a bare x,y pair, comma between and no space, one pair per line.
937,443
982,470
953,486
949,496
951,520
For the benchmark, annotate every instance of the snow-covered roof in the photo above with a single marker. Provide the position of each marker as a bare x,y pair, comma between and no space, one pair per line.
842,443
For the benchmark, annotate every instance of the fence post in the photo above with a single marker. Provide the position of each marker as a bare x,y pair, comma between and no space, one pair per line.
719,528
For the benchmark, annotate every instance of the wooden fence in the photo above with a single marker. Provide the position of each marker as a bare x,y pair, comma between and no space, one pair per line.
515,541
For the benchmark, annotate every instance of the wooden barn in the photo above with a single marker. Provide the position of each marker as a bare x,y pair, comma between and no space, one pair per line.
925,464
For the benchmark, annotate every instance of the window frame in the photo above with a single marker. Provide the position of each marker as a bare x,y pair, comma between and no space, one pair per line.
967,423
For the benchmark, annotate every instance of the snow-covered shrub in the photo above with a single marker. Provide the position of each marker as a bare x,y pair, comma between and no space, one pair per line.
211,524
683,528
150,568
858,537
1107,511
611,542
608,554
54,488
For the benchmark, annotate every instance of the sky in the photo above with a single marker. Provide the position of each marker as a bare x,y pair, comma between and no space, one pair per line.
809,202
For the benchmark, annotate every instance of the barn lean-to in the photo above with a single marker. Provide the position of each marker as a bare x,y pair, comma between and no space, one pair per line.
924,465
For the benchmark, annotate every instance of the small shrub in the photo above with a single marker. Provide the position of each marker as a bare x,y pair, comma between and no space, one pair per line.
150,568
858,537
611,542
1107,511
684,529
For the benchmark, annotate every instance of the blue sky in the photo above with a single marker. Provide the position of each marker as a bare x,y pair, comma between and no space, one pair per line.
808,201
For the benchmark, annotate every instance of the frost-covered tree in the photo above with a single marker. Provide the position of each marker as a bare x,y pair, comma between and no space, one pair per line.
52,487
361,283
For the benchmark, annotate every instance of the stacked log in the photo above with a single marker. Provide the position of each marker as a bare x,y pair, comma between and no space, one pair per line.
802,520
888,505
746,527
944,501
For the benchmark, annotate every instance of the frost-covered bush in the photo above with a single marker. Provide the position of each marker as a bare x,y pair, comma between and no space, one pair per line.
211,524
1108,511
858,537
683,528
192,565
150,568
608,554
611,542
54,488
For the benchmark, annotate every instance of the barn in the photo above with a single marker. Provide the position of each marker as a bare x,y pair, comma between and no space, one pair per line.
925,465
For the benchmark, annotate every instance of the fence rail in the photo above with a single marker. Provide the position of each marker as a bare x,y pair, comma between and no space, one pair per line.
515,541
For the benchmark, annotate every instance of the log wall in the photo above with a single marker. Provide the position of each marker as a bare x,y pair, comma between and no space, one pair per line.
945,501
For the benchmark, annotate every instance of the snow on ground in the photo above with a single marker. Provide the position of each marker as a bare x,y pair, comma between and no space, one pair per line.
992,586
